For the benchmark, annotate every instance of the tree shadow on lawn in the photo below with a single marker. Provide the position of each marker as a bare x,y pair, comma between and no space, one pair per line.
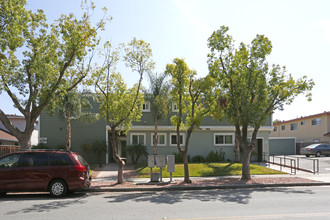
229,169
239,196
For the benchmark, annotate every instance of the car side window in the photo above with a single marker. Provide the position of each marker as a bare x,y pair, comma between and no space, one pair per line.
40,159
26,160
9,161
59,159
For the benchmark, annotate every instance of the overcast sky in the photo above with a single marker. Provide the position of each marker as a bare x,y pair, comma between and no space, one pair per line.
299,32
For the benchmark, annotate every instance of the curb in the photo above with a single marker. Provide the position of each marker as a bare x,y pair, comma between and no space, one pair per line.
188,188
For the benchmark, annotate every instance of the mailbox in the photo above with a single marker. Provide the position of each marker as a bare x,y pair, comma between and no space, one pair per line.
160,161
170,163
151,161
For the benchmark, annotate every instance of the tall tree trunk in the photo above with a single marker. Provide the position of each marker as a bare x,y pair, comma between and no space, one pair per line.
25,141
68,131
115,156
155,140
186,167
246,175
237,150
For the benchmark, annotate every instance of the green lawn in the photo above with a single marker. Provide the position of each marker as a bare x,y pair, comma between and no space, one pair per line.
207,169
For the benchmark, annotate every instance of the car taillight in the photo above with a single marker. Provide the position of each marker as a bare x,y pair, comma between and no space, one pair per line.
310,149
80,168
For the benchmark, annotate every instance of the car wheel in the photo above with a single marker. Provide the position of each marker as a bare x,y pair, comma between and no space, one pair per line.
58,188
318,154
307,155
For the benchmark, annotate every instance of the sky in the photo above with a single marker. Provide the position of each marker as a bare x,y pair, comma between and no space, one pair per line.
299,31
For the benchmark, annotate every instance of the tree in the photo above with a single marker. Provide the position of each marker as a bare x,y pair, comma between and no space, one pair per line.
120,105
73,106
248,89
38,60
187,93
159,100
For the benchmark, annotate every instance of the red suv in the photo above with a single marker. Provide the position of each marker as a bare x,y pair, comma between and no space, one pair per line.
44,170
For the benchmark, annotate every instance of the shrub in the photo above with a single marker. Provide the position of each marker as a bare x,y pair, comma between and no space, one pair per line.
136,151
198,159
215,156
179,157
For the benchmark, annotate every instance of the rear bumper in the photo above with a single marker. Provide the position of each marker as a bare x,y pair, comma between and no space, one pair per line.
82,183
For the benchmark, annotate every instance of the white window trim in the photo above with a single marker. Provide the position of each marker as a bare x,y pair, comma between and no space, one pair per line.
177,108
183,139
148,105
224,134
152,140
144,137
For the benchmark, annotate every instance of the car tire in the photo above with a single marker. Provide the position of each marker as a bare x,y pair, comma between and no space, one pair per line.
58,188
318,154
307,155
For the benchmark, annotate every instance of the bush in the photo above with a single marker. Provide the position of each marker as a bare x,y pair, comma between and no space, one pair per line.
215,156
136,151
198,159
179,157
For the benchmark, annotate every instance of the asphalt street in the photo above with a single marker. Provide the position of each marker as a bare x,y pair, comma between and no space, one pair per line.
245,204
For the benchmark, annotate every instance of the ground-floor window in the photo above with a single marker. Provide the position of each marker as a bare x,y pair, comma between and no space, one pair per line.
173,139
138,138
161,139
222,139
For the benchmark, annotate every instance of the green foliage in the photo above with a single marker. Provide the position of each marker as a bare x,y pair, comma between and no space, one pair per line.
98,148
216,156
247,88
41,61
198,159
136,151
178,157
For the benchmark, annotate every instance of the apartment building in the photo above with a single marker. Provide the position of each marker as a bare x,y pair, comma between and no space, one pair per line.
306,130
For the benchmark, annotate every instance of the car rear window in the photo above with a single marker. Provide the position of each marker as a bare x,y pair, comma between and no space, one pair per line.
57,159
81,160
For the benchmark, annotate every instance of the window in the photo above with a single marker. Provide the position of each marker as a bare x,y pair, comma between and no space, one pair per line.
10,161
161,139
146,107
138,138
294,126
303,123
223,139
316,121
174,139
275,129
57,159
283,127
175,107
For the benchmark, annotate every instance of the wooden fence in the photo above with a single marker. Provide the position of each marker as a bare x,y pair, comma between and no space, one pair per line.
8,149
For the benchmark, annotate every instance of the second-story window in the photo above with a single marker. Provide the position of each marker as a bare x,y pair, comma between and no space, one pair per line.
294,126
316,121
283,127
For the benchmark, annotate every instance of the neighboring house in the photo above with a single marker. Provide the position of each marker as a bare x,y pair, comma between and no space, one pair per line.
19,122
211,135
306,130
6,139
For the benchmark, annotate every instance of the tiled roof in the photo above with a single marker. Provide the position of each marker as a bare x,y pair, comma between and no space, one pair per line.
6,136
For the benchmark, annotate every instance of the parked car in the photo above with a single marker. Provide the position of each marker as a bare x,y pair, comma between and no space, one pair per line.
316,149
44,170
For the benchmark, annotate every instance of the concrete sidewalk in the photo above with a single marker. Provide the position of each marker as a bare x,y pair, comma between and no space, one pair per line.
105,180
